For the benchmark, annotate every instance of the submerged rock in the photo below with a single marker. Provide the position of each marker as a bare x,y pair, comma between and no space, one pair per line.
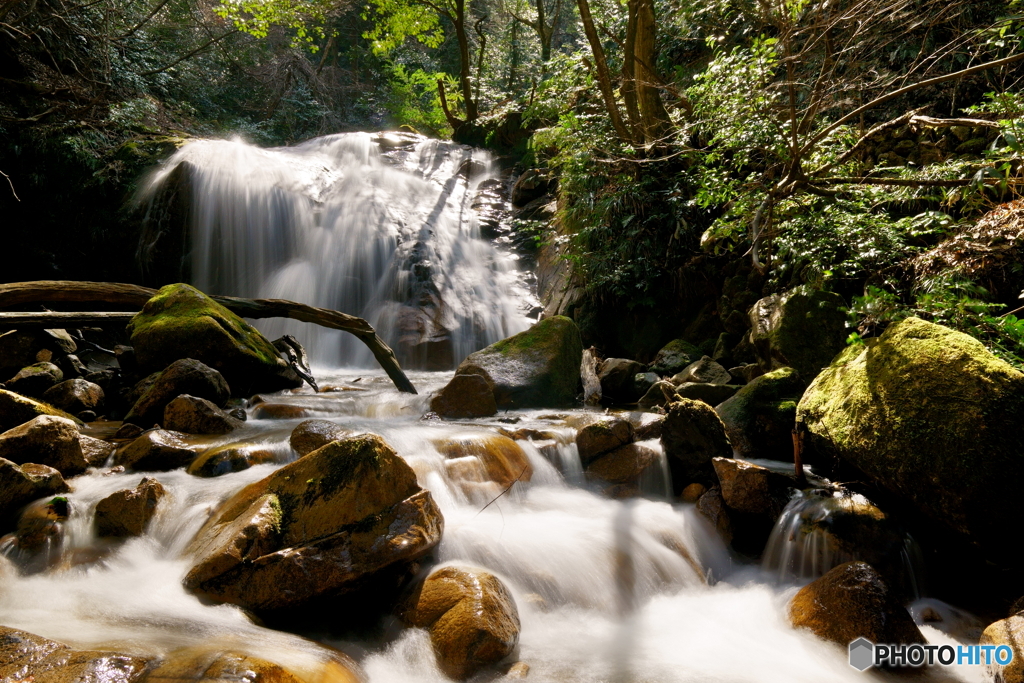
157,450
803,329
692,436
502,459
310,435
181,317
26,656
760,418
928,415
16,409
853,601
193,415
75,396
47,440
537,368
128,512
316,528
465,396
184,376
35,379
470,615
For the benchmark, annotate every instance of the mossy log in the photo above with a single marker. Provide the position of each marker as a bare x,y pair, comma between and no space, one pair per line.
17,295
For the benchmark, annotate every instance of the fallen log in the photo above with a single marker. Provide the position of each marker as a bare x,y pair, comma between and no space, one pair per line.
51,292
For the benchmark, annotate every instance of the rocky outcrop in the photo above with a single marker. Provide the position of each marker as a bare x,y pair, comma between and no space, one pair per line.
181,318
465,396
537,368
75,396
310,435
853,601
16,409
693,436
47,440
194,415
129,511
35,379
157,450
46,661
184,376
803,329
319,527
760,417
602,437
21,484
928,415
673,357
470,615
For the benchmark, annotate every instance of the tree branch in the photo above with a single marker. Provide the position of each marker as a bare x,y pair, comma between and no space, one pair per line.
8,179
193,53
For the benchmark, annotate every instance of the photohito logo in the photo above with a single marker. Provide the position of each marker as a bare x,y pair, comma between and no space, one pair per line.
864,654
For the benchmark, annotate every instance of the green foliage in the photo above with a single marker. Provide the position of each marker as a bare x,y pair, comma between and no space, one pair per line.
397,20
305,18
413,99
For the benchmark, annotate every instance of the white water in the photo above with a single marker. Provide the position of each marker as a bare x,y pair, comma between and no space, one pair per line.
382,227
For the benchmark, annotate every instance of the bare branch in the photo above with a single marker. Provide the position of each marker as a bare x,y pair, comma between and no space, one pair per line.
8,179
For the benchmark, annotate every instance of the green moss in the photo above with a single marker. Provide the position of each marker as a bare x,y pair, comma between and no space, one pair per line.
16,409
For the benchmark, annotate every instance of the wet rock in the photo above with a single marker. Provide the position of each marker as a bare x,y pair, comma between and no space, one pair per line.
623,469
1008,632
643,381
35,379
205,665
232,457
518,671
21,484
692,493
95,451
502,459
617,377
279,411
128,431
16,409
129,511
316,528
703,371
184,376
929,416
753,489
313,434
465,396
803,329
692,436
673,357
712,394
533,184
193,415
470,615
181,317
646,425
760,418
157,450
25,656
853,601
75,396
602,437
533,369
712,506
47,440
37,541
659,395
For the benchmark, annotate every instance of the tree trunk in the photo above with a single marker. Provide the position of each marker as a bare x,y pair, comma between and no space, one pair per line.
465,61
654,119
629,84
604,79
543,33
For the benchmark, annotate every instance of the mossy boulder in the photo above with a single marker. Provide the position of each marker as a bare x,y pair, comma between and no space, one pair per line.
928,415
803,328
182,322
538,368
16,409
693,436
759,418
674,357
317,528
35,379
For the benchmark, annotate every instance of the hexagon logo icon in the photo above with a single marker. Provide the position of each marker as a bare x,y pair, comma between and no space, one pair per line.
862,654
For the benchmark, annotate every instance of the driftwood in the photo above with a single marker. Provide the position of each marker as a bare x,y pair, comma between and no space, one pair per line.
113,294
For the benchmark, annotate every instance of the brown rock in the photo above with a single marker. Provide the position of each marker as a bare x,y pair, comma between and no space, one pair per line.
95,451
747,487
703,371
616,376
75,396
853,601
711,505
1009,632
21,484
47,440
310,435
278,411
128,512
471,616
315,528
28,657
660,394
157,450
465,396
36,544
35,379
16,409
502,458
692,493
623,467
232,457
185,376
692,436
647,426
603,437
206,665
193,415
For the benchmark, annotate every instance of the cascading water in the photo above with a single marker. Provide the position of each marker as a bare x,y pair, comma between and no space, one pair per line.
378,226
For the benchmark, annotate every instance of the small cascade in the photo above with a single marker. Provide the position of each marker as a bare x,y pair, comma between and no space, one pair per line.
822,528
380,226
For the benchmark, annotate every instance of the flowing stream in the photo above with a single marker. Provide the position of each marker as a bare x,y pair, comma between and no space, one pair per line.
638,590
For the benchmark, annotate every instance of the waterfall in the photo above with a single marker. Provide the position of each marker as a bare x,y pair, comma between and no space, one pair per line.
379,226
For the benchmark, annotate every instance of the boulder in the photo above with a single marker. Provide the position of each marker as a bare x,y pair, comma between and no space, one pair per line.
803,328
95,451
157,450
853,601
128,512
673,357
503,460
760,418
703,371
280,411
181,317
753,489
194,415
75,396
643,381
310,435
602,437
622,469
37,541
617,377
659,395
465,396
16,409
693,436
232,457
184,376
712,394
929,416
537,368
35,379
26,657
1008,632
47,440
711,505
22,484
470,615
319,527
